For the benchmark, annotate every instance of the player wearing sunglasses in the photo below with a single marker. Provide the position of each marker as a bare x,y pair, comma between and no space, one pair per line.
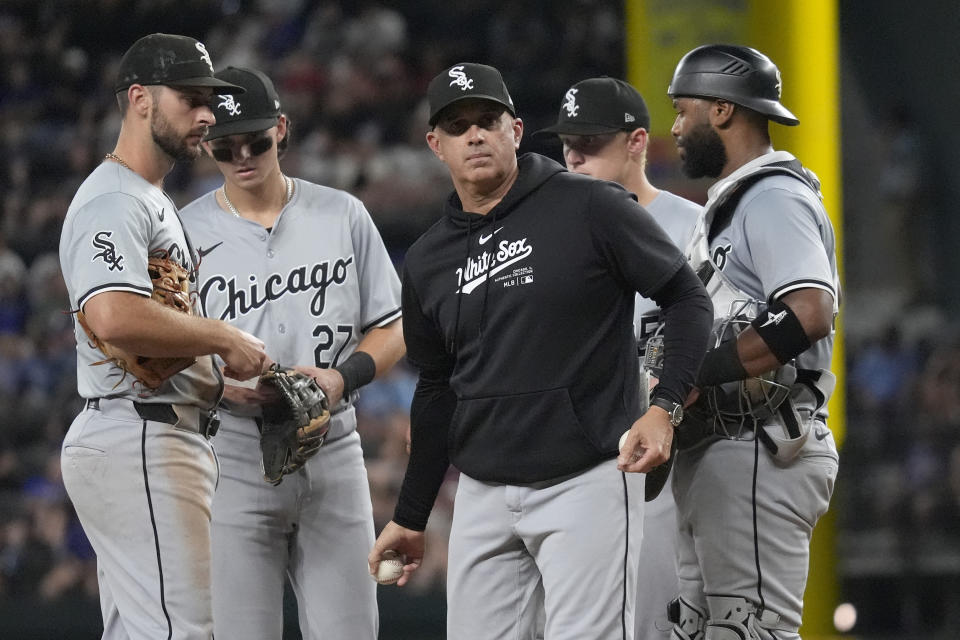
303,266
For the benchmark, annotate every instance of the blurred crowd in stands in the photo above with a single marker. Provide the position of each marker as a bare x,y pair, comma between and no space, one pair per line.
352,75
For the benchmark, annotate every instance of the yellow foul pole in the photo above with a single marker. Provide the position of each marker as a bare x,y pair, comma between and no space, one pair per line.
802,37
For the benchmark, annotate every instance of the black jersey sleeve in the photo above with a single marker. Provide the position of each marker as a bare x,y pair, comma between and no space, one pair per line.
687,316
421,334
430,412
637,250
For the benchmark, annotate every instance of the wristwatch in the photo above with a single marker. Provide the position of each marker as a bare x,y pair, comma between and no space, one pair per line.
674,410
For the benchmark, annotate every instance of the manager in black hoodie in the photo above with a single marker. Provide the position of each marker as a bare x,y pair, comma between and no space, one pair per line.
518,311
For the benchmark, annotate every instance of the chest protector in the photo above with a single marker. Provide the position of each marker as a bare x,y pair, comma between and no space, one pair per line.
758,406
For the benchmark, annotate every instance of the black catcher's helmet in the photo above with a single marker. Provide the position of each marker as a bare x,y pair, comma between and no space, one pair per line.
741,75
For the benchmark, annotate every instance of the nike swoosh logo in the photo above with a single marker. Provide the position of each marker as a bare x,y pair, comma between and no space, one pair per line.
484,239
820,434
202,252
161,215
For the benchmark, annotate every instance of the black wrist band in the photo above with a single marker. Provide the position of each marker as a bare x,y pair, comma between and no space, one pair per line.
721,365
782,332
357,370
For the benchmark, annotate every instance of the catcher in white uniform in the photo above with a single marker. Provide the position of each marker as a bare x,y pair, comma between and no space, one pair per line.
757,464
604,125
303,267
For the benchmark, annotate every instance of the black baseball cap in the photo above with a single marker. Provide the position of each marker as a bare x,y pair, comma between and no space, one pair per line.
600,105
162,58
467,80
258,109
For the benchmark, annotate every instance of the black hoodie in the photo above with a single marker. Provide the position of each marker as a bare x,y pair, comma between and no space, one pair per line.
521,323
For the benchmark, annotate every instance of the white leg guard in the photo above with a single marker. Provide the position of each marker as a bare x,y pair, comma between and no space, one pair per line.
735,618
688,620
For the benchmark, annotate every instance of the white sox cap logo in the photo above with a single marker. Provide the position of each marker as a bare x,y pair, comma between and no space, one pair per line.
570,103
230,104
204,55
460,78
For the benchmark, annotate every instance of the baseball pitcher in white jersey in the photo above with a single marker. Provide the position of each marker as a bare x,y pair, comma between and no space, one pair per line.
303,267
757,462
604,125
137,463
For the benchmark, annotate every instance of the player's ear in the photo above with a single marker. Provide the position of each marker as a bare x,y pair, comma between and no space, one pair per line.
140,99
433,141
720,113
517,132
637,140
281,127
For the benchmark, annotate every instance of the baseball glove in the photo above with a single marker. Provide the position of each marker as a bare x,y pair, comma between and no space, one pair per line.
294,424
171,287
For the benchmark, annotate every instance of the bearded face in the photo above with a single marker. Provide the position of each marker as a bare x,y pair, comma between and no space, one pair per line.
179,120
702,152
171,141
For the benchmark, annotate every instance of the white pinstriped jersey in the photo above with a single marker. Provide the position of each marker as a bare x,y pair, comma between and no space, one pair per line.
115,220
310,287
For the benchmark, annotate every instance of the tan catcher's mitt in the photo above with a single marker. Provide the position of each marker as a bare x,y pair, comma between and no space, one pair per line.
171,287
294,424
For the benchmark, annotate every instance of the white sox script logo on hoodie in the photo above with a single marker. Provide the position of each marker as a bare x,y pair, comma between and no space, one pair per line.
490,263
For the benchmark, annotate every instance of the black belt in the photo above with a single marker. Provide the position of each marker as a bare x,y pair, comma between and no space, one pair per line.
208,421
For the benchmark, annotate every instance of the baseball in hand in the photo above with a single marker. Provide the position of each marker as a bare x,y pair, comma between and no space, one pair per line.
390,568
623,439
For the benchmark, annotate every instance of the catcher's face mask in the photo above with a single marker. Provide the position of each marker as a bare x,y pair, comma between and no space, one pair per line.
742,405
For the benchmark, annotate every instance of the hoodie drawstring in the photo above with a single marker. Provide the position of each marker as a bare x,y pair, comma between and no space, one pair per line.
486,285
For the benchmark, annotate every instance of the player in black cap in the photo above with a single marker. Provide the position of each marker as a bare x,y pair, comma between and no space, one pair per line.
167,81
517,311
172,60
604,126
342,327
137,462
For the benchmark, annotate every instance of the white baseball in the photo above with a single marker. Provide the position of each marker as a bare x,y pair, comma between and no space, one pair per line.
390,568
623,439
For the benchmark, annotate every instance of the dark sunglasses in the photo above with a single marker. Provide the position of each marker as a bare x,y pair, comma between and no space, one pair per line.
257,147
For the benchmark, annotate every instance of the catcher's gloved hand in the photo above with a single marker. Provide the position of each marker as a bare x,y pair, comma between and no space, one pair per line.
294,424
